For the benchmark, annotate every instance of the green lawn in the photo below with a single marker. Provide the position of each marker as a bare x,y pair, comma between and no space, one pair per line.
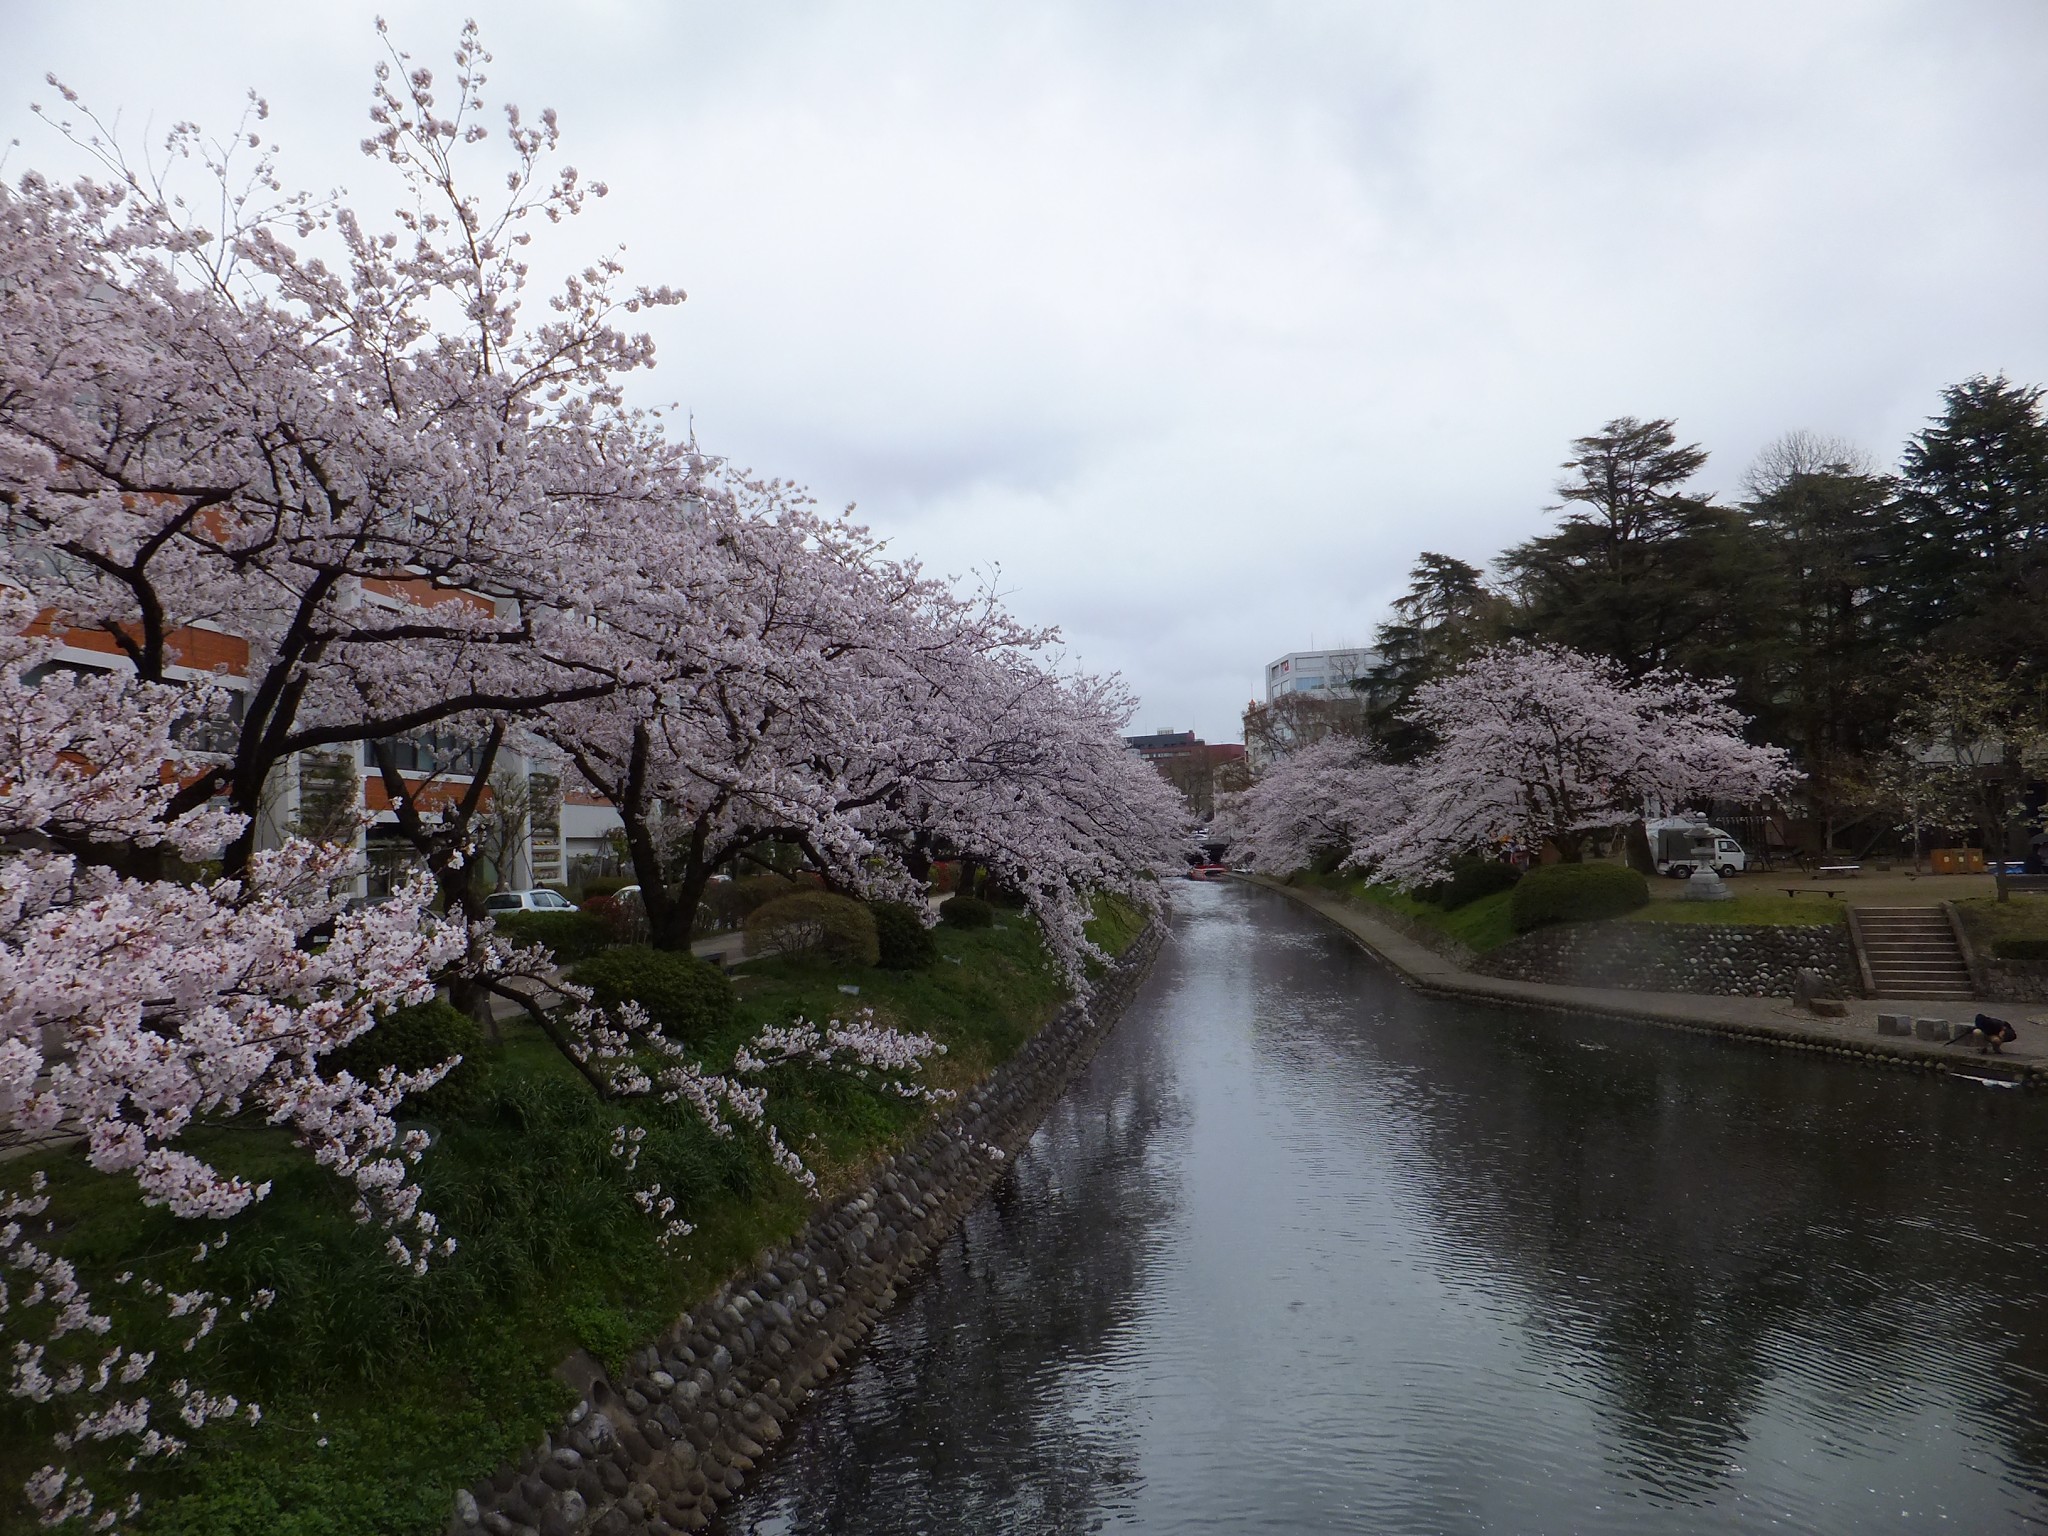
382,1392
1479,925
1486,924
1987,920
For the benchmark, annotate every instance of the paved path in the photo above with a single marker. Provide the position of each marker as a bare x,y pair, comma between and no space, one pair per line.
1771,1019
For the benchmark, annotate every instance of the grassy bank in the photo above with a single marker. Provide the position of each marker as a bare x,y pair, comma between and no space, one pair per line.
1988,920
1487,923
1478,925
384,1392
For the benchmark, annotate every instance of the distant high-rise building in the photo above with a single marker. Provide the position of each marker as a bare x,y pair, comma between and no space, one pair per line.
1320,674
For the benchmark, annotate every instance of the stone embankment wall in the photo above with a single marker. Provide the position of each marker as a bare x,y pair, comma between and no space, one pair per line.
1731,960
659,1449
2013,981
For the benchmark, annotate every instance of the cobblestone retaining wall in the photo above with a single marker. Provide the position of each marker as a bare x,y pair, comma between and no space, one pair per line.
2013,981
1731,960
660,1448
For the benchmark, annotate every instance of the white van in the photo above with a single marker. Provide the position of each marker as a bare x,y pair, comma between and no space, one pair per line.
1682,845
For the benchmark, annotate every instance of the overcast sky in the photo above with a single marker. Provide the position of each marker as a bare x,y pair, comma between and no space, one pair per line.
1200,321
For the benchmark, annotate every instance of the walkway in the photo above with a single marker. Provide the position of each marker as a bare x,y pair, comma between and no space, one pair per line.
1774,1020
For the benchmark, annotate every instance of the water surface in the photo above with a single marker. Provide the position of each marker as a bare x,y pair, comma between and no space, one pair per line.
1303,1251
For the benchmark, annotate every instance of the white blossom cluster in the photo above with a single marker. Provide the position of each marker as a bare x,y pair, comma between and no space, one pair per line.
349,467
1533,743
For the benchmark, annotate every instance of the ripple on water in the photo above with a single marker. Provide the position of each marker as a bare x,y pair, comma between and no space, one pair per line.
1304,1251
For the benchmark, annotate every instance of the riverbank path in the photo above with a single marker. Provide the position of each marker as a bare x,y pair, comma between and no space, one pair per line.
1770,1019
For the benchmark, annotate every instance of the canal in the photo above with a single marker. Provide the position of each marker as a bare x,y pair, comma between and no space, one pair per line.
1304,1251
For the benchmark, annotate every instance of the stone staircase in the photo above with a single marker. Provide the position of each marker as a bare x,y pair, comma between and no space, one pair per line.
1911,952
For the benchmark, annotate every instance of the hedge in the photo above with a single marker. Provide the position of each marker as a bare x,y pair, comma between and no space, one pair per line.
903,941
569,936
814,925
2020,949
1471,878
1573,893
685,998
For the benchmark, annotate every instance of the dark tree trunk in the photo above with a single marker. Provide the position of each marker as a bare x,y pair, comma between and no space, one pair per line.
1637,838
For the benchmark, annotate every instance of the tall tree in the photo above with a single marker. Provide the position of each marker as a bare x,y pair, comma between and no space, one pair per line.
1817,673
1971,555
1447,614
1639,570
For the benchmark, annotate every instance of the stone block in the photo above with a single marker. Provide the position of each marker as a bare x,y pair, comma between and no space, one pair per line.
1894,1024
1931,1029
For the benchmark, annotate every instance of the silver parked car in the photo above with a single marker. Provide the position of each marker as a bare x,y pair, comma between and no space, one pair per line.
529,901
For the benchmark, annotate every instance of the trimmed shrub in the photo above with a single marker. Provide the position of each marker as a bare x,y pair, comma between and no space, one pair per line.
814,925
685,998
604,885
569,936
1471,878
967,912
1575,893
2020,949
904,943
413,1039
740,898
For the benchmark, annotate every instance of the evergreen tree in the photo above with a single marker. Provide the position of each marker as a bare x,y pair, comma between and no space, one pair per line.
1820,678
1970,550
1638,570
1446,616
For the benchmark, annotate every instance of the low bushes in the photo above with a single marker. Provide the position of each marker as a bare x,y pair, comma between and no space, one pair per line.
727,903
686,998
1471,878
903,942
814,925
569,936
1572,893
413,1039
967,912
2020,949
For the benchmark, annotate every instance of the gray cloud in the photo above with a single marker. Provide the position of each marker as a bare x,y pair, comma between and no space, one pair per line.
1201,320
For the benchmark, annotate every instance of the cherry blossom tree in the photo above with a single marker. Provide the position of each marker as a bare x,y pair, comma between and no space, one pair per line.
1537,744
1314,806
263,431
812,692
133,1011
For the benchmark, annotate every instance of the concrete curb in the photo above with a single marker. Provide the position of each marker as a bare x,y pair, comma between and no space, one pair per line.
658,1450
1756,1020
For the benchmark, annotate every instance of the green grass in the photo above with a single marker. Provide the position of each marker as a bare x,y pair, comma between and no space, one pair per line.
1744,910
423,1385
1479,925
1987,920
1487,924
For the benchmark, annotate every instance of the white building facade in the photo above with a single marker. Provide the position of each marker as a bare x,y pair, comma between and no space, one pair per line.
1319,674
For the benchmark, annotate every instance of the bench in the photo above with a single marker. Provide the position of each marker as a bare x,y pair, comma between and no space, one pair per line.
1839,869
1803,890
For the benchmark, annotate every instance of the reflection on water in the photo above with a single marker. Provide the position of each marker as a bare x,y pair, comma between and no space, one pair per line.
1304,1251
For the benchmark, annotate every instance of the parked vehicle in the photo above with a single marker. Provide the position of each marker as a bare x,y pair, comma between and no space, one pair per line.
529,901
1683,845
